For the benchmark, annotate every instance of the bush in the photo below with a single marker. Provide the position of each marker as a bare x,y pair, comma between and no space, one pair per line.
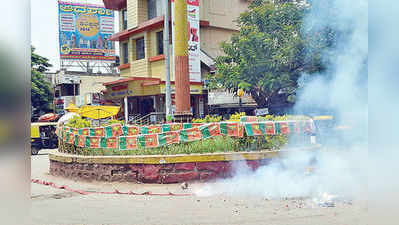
236,116
110,122
78,122
208,119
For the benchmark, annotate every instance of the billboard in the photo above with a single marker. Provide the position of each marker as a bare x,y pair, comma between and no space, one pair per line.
85,31
193,24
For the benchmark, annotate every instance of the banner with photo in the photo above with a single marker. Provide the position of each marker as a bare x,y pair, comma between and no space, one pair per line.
193,25
122,137
85,31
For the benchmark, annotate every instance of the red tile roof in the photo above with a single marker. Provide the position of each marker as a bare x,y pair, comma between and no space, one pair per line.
147,25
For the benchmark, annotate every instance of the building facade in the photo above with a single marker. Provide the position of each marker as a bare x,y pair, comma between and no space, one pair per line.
142,58
80,88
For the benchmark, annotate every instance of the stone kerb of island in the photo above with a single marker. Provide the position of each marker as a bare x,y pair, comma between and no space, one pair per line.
154,168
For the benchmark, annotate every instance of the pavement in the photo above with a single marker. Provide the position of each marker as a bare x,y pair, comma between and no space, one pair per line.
56,206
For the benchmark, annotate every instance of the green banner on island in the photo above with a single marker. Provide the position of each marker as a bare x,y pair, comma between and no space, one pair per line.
173,133
97,132
154,129
131,130
148,140
255,129
81,141
84,131
210,130
114,130
172,127
92,142
230,129
128,143
168,138
191,134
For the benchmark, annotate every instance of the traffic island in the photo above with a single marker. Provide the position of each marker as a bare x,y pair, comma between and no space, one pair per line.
162,169
173,152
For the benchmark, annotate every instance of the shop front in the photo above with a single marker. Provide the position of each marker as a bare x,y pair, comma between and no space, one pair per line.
147,95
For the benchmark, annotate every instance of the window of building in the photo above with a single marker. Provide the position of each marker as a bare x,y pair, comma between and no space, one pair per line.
152,10
140,48
125,53
155,8
70,90
160,43
124,18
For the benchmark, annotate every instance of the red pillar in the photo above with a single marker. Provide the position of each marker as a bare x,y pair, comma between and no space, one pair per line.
182,77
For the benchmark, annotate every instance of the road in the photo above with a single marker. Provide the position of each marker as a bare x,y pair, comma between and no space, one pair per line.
56,206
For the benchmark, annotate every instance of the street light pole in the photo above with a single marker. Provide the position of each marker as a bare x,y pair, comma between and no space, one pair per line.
167,60
240,104
240,93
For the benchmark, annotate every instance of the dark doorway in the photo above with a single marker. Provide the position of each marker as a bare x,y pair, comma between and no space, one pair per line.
146,106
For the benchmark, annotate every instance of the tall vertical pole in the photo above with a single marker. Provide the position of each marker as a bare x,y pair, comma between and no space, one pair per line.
240,102
74,92
55,111
167,60
182,79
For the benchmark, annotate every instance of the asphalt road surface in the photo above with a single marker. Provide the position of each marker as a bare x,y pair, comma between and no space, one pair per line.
55,206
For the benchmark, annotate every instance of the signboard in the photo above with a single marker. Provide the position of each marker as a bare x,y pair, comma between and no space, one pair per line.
67,79
194,50
84,32
194,89
261,112
193,24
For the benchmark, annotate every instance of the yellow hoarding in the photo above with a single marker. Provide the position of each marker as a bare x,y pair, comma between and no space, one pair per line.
195,89
138,88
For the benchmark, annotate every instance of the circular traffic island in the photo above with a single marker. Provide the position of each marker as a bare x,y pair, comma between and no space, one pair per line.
161,169
173,152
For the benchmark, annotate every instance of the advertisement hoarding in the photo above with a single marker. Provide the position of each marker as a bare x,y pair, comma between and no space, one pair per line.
85,31
193,24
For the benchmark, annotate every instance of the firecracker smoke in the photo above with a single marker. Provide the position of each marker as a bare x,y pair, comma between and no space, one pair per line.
340,166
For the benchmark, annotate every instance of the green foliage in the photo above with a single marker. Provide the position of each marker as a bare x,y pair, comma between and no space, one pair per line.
208,119
39,63
110,122
169,118
41,91
236,116
78,122
269,54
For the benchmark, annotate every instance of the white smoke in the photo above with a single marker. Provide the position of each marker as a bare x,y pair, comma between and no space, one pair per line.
339,169
383,91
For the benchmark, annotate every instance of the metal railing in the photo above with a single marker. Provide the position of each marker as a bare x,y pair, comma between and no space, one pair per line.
151,118
133,117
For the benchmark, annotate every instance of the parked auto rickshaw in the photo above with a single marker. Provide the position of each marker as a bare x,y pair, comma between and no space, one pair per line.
43,136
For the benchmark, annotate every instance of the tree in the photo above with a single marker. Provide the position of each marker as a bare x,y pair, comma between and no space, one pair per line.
41,92
269,53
